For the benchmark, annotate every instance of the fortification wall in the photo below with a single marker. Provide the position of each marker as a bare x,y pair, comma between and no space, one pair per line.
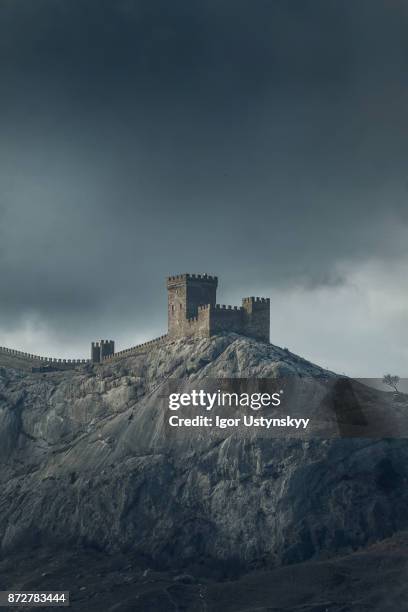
226,319
199,325
102,349
192,311
251,319
200,277
37,360
137,349
186,293
256,320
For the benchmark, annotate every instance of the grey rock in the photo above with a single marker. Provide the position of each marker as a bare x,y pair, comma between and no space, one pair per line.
87,460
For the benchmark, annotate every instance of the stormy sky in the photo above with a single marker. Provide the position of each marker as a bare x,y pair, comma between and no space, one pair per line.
264,141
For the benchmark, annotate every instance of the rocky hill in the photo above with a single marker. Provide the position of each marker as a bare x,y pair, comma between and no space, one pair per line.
87,460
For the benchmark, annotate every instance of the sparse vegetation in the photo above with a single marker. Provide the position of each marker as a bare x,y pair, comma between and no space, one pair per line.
391,381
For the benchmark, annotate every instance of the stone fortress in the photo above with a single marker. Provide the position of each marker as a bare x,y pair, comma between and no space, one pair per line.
192,312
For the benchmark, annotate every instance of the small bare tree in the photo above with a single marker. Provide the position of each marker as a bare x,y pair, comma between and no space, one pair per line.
391,381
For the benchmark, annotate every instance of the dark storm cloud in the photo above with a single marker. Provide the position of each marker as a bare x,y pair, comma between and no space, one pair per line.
264,141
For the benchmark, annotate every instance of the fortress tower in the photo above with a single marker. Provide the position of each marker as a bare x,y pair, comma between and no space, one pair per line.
186,292
256,318
193,311
101,349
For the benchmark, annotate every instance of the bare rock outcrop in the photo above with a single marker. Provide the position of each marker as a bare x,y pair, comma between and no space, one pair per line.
87,460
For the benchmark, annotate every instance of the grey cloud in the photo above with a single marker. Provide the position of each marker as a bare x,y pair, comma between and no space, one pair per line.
265,142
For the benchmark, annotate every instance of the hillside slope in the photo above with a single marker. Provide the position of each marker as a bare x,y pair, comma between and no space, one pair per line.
87,460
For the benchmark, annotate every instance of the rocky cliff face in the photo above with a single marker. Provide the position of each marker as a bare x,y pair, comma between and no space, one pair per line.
87,459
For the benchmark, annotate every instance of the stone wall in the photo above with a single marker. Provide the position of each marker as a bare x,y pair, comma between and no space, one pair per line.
192,310
226,319
135,350
102,349
256,319
39,360
186,293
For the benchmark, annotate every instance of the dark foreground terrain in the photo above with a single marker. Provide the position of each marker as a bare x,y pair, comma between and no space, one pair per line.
373,579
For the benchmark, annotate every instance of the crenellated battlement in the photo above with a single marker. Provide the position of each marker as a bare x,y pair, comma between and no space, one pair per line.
33,357
193,310
256,299
224,307
181,277
135,350
34,361
102,349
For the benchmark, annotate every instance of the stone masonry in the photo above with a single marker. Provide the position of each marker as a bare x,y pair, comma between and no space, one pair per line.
193,311
102,349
